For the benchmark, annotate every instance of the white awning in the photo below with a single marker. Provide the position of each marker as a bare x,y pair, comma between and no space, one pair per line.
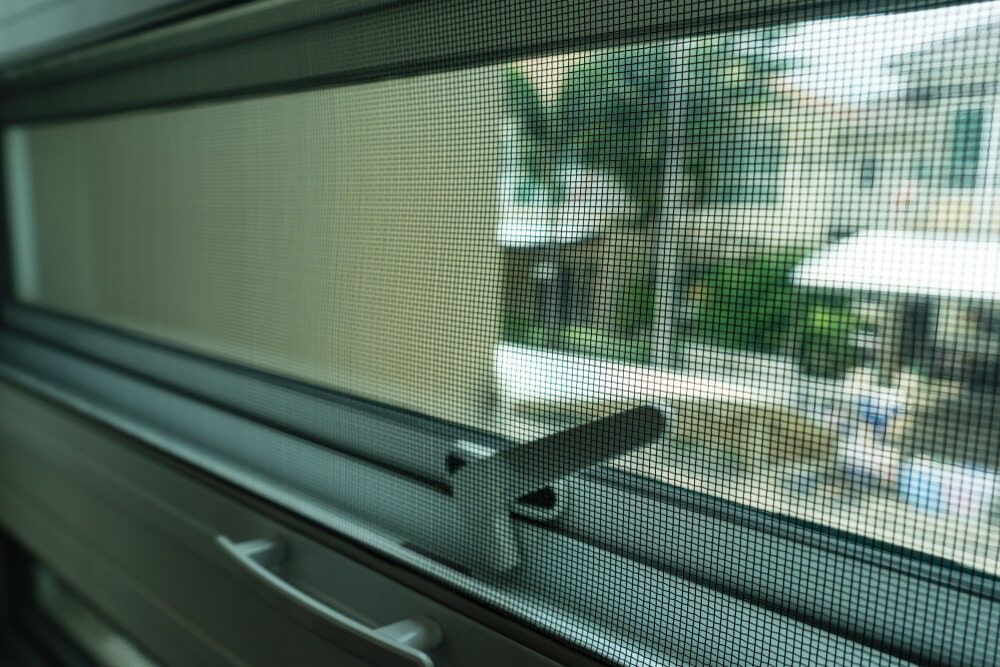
907,263
594,203
526,232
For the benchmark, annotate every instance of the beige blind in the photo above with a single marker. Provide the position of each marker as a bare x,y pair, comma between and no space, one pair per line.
344,236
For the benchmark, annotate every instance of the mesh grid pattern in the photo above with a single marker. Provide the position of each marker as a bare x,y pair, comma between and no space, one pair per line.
787,235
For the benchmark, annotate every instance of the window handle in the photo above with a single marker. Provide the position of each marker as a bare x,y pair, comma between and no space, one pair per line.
402,643
485,487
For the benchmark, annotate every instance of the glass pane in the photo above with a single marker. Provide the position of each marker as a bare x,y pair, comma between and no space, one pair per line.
788,235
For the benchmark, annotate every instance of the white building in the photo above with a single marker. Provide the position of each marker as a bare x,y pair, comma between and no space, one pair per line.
927,158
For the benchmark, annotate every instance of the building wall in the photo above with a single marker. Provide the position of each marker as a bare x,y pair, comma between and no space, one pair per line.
804,210
912,144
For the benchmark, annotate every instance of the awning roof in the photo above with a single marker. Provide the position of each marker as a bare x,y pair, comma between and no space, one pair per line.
907,263
528,233
594,202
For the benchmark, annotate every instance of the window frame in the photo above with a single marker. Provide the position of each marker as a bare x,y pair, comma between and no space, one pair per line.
760,591
764,576
965,150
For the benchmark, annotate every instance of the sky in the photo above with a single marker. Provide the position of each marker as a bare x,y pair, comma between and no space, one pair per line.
842,59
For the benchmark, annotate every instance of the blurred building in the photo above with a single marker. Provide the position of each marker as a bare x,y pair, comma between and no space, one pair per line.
926,158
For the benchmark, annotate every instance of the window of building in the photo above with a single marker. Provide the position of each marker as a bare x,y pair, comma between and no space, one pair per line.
965,147
869,167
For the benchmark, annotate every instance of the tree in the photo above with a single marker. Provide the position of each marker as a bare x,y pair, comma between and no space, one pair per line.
613,111
728,86
538,142
617,111
611,115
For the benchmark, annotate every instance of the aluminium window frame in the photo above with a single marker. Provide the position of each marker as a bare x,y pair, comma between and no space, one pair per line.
182,405
365,504
108,374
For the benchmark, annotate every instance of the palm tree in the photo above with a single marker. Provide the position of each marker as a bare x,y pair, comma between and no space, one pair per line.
651,116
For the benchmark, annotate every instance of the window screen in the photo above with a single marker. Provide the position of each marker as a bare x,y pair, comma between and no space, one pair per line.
786,234
344,236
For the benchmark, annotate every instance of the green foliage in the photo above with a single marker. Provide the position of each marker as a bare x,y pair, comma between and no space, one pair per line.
747,303
582,339
526,106
726,102
750,302
522,331
593,342
824,340
539,141
636,310
612,113
611,116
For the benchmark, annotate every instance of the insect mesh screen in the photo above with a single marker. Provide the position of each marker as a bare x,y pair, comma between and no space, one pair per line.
786,234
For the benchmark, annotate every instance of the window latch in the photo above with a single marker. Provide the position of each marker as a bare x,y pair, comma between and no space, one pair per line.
485,488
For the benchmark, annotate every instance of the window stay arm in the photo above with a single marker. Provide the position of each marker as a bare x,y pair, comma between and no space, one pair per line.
485,488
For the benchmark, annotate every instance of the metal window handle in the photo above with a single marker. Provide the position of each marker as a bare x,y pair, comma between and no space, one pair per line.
486,487
402,643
